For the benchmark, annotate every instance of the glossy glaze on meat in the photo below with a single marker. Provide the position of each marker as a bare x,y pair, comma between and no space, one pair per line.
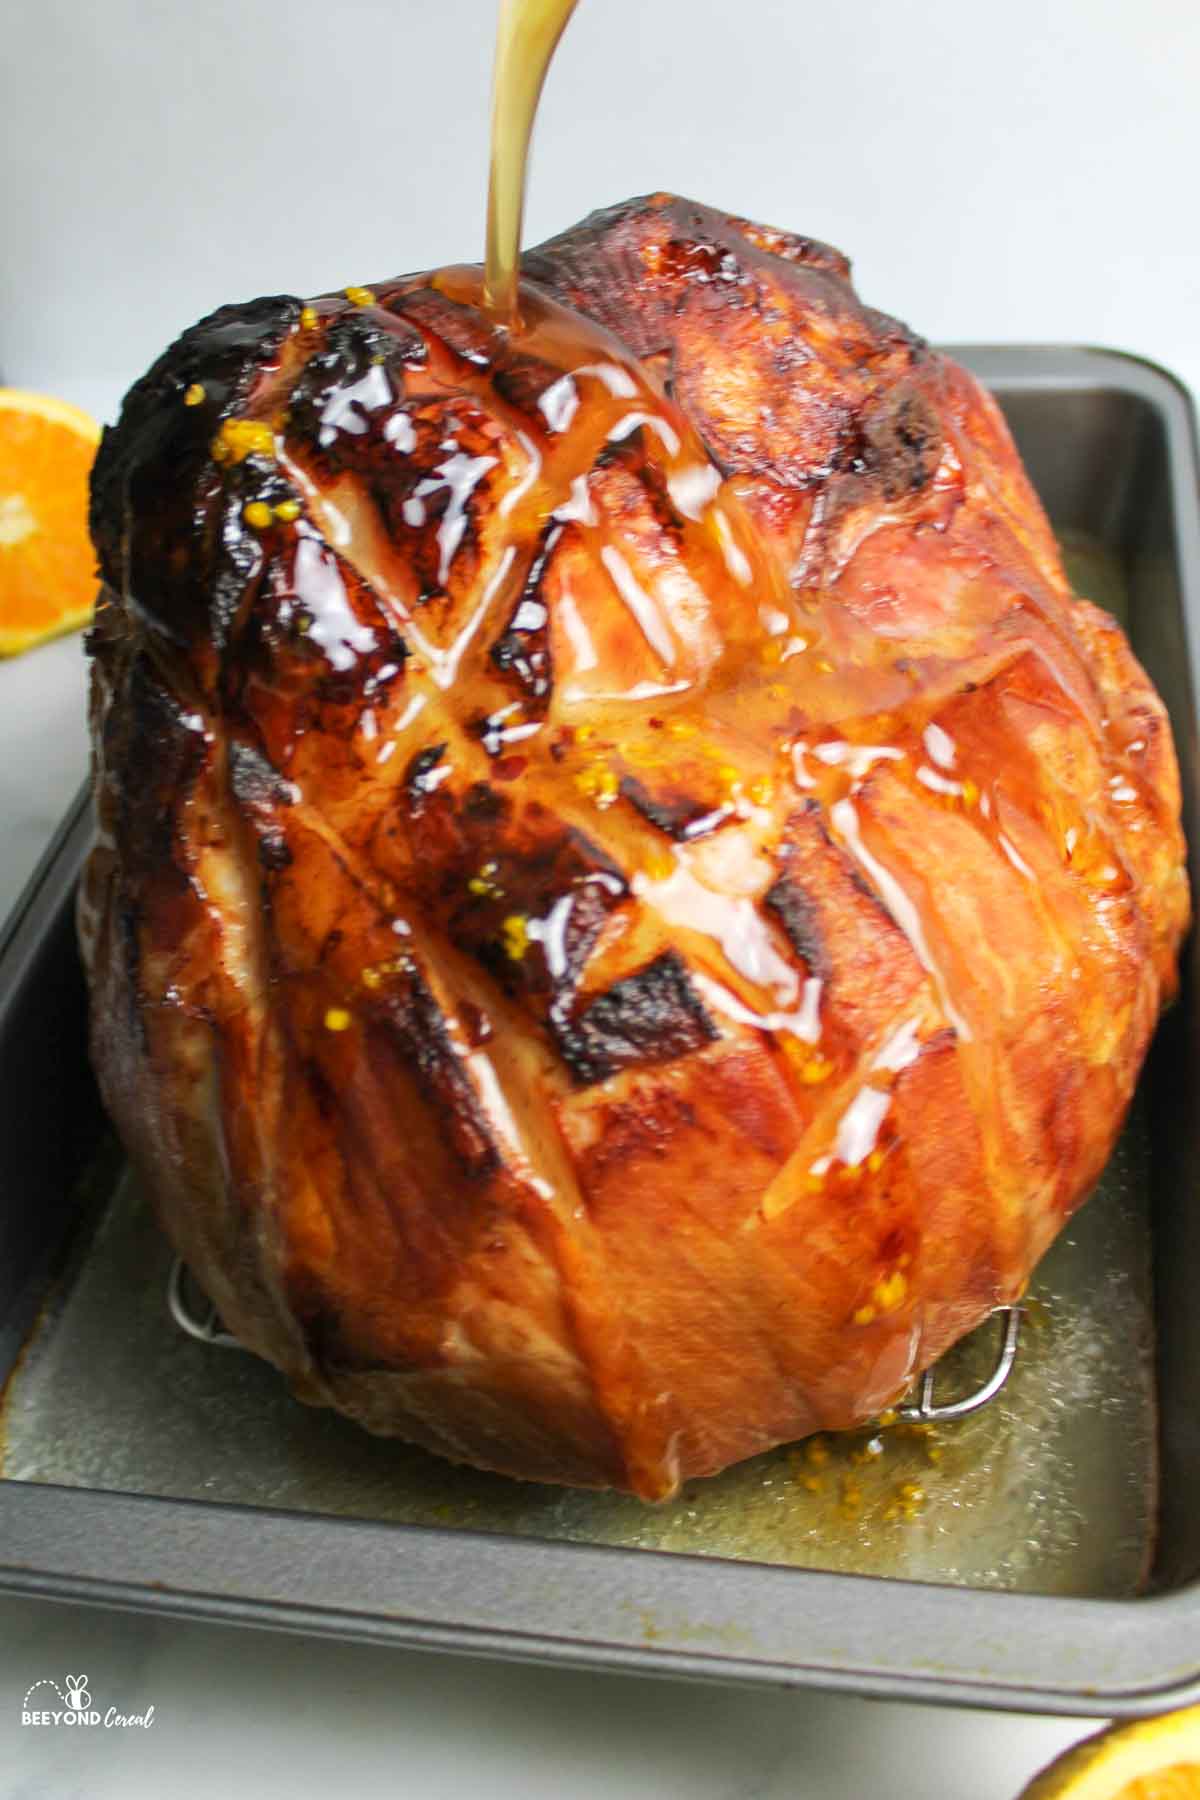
631,898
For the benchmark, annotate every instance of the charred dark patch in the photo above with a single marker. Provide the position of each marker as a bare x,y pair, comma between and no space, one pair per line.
899,442
152,733
127,914
494,729
497,731
801,920
528,946
835,920
320,1088
236,556
407,1019
424,775
628,452
315,1309
633,488
475,1023
337,690
290,673
273,853
260,791
894,334
652,1016
256,785
344,386
682,816
524,648
483,806
154,480
531,907
350,413
448,468
647,489
522,382
846,864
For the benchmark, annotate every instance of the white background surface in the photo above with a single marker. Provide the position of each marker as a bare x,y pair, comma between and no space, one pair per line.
1016,171
1023,172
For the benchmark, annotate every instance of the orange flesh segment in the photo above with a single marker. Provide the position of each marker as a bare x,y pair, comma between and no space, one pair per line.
1151,1759
47,565
1181,1782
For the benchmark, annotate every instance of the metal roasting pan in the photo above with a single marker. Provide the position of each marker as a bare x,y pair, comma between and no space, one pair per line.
1051,1556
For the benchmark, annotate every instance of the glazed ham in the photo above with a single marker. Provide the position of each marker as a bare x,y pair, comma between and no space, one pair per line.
630,897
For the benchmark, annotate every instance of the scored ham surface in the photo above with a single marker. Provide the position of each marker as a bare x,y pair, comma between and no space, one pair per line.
630,898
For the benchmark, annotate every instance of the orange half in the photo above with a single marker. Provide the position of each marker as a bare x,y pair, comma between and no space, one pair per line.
47,564
1156,1759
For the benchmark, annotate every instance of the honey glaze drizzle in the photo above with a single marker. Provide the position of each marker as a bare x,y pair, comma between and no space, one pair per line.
689,667
598,396
692,692
695,698
526,38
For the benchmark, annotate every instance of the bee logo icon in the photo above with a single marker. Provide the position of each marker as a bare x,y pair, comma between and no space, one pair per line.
78,1697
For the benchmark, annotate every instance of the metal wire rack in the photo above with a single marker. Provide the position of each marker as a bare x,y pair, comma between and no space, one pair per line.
194,1312
925,1409
196,1315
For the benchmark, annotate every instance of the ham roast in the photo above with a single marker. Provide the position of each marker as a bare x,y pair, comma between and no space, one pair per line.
630,897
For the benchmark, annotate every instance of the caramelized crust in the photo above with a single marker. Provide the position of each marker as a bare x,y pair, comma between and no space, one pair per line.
630,897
